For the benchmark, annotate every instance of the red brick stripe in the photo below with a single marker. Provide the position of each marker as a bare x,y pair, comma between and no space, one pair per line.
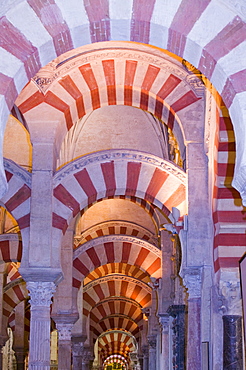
86,184
66,198
141,15
109,177
156,182
131,66
182,25
109,71
227,39
69,85
93,257
53,21
98,15
133,171
16,43
18,198
90,80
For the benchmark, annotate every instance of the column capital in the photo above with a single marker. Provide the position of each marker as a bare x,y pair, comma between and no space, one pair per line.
41,292
192,277
231,297
64,331
152,341
164,322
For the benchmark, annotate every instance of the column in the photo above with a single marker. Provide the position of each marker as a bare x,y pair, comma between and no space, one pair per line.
232,342
77,350
39,351
19,336
152,351
86,357
232,325
178,327
193,280
145,352
164,321
3,334
64,324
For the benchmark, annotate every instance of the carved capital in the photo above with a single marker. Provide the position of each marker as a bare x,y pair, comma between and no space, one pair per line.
64,331
193,281
152,341
231,297
41,292
164,322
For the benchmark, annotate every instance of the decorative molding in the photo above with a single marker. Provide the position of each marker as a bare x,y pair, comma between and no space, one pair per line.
115,238
231,297
18,171
10,237
119,155
41,292
64,331
152,341
55,69
192,277
81,239
117,277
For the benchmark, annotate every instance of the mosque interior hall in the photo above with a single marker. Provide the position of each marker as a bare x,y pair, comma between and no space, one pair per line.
122,185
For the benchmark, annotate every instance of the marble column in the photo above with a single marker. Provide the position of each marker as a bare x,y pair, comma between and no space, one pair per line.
193,280
152,351
178,327
232,342
39,351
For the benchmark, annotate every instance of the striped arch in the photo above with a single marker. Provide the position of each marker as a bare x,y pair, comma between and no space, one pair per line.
130,76
118,227
116,285
116,359
13,294
147,206
17,199
118,313
12,272
116,342
117,268
115,249
161,25
113,322
117,172
10,248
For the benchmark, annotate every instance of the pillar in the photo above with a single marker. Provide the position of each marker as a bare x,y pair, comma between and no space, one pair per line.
193,280
64,324
164,322
19,336
77,349
86,357
232,324
39,351
145,352
178,327
152,351
232,342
